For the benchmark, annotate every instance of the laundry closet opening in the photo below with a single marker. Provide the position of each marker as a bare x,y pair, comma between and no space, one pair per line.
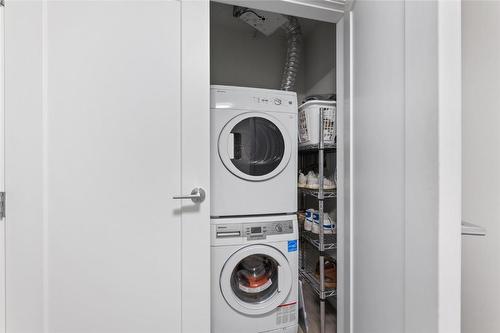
253,48
241,55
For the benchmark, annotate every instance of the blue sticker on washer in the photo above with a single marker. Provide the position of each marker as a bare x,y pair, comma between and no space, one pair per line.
292,245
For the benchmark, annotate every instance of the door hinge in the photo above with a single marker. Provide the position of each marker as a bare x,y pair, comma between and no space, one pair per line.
2,205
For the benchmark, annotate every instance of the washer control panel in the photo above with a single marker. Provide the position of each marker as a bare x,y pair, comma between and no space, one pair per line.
256,230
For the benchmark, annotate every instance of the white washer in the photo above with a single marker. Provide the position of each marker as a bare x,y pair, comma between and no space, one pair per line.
254,274
253,151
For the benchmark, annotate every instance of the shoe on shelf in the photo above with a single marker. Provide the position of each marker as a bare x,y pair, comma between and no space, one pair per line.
312,181
328,224
315,221
330,272
329,184
308,220
302,180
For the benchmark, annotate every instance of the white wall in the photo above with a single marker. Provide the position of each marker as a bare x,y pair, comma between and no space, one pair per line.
319,56
246,58
241,56
481,165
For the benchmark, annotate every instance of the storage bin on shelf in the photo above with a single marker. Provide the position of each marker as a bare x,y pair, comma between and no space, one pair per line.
309,113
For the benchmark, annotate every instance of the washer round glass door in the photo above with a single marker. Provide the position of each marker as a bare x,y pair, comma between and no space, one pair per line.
254,146
256,279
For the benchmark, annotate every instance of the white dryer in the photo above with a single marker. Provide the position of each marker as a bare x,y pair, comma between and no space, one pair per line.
254,274
253,151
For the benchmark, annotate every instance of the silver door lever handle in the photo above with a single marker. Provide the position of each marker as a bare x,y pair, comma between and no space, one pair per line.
197,195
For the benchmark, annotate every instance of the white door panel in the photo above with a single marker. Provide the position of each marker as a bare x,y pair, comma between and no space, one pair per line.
401,189
94,156
195,165
2,174
378,166
24,228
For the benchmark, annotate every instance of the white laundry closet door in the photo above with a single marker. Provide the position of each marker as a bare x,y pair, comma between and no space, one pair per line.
101,133
401,163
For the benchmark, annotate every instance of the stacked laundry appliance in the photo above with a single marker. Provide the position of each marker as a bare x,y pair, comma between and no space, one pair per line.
254,231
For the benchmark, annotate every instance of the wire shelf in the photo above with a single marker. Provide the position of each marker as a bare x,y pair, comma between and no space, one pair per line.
329,240
327,194
311,280
315,147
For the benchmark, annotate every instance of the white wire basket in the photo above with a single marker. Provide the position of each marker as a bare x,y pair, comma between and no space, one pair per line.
309,114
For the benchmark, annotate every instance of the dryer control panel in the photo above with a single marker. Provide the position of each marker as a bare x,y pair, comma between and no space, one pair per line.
252,99
257,230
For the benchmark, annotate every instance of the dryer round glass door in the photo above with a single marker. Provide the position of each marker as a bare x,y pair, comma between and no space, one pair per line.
254,146
256,279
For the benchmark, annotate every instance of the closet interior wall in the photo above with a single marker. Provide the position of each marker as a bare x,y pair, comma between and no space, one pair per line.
242,56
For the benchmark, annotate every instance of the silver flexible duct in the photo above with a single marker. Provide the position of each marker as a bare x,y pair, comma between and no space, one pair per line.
293,53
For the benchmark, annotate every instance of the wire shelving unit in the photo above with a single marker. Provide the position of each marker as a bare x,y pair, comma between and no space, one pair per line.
321,242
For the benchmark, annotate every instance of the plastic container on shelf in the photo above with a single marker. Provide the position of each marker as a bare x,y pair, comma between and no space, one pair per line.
309,122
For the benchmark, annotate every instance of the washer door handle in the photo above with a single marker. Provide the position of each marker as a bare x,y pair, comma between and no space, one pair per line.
280,277
197,195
